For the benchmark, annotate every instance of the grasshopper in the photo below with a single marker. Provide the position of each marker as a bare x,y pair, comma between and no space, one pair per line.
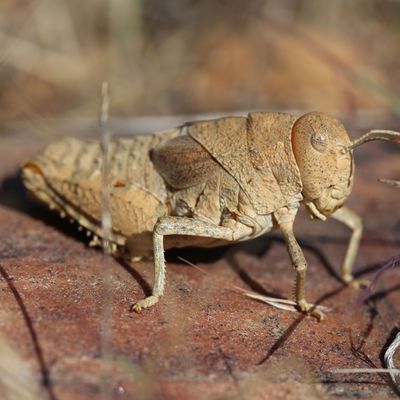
208,183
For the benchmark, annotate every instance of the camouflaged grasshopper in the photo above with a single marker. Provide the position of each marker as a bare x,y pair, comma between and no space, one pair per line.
208,183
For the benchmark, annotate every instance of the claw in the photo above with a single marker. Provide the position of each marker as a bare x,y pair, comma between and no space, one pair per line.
311,309
355,283
359,283
144,303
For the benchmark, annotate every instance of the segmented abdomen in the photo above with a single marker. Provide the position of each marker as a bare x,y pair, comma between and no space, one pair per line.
67,175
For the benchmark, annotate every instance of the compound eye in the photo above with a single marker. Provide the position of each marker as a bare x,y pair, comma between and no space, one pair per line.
319,141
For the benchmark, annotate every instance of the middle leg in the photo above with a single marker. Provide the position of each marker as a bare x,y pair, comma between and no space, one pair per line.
354,222
176,226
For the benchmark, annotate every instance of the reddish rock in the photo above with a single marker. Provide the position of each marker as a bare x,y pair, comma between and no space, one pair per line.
67,330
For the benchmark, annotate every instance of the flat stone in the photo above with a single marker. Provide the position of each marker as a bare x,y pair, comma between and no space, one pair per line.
66,330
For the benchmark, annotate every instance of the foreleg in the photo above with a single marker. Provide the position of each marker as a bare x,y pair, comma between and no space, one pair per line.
285,219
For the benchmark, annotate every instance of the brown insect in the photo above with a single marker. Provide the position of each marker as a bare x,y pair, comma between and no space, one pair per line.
207,184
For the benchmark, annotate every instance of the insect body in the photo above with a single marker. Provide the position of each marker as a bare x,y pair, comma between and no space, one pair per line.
208,183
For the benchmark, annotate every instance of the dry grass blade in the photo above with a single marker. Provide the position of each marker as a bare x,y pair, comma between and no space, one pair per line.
390,371
106,229
388,358
288,305
391,182
18,380
282,304
105,141
364,295
192,265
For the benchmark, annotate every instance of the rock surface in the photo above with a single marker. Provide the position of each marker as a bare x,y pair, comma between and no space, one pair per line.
66,331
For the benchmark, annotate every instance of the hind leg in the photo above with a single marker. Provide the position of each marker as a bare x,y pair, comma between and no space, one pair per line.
175,226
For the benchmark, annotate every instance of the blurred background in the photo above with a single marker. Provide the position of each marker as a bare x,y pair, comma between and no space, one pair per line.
191,56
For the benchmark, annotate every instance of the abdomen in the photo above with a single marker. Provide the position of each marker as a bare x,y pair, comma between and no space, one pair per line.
67,176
